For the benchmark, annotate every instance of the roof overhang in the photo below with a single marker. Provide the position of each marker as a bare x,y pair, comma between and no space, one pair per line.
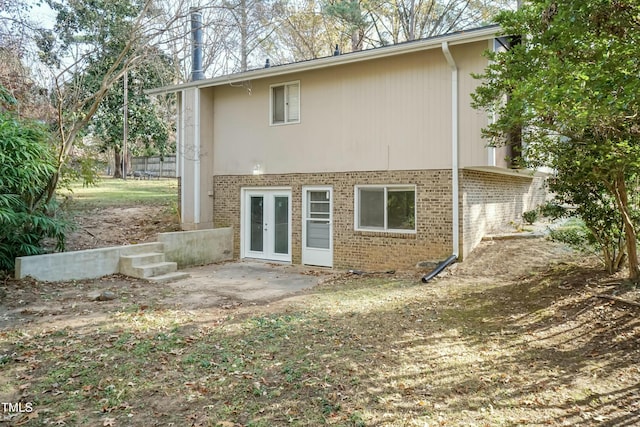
520,173
462,37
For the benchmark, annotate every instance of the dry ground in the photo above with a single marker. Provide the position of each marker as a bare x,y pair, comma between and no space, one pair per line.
522,333
114,226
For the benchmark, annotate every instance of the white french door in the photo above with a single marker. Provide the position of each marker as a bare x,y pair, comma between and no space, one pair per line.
266,224
317,226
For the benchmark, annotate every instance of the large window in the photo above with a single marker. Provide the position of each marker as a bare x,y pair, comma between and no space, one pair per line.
285,103
386,208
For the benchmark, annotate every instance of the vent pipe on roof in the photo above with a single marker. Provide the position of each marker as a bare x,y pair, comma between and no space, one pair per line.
267,64
196,40
336,52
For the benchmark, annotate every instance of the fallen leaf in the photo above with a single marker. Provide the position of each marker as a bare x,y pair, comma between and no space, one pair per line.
27,417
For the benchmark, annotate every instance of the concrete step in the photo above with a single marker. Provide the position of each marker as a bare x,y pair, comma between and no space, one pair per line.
154,269
150,265
168,277
129,262
142,248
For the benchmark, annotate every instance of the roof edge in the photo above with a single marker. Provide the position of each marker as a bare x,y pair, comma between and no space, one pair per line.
460,37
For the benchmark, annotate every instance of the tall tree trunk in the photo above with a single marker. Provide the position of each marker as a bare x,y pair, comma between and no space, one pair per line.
244,36
412,21
117,170
357,39
630,232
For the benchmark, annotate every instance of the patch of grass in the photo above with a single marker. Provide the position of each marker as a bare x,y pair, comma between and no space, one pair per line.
358,351
573,232
117,192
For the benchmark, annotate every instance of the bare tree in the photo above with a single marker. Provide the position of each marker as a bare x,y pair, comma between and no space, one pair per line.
254,23
405,20
87,52
372,23
305,32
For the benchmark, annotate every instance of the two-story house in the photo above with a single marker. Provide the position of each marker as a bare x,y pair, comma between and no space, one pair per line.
369,160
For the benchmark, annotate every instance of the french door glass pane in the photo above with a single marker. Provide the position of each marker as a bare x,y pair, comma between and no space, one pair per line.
281,219
257,219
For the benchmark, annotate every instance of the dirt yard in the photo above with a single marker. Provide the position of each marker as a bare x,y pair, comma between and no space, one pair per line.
524,332
114,226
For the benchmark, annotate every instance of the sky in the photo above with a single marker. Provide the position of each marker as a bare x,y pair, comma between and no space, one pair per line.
42,13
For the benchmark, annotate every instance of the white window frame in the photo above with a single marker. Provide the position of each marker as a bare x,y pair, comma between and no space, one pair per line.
286,86
385,187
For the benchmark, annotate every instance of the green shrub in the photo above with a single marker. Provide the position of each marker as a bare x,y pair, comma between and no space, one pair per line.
552,210
530,216
576,235
26,165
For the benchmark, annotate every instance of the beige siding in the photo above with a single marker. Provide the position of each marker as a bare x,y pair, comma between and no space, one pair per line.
384,114
206,158
187,117
473,150
196,158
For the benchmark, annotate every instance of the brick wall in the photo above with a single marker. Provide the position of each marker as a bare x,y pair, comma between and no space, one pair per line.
491,201
354,249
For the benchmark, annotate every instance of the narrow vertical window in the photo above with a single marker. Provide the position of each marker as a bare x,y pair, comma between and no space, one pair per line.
277,95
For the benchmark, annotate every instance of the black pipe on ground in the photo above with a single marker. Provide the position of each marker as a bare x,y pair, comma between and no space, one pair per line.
444,264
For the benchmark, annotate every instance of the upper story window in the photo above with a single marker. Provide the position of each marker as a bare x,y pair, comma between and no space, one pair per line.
285,103
386,208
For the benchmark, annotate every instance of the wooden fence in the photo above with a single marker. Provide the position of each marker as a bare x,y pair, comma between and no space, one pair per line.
154,166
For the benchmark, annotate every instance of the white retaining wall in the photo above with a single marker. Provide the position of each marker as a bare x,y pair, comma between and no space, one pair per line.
198,247
187,248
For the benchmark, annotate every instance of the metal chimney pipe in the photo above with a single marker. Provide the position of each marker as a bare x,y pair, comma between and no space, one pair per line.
196,40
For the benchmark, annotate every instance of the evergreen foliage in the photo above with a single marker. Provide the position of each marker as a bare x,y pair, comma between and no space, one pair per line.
26,164
570,88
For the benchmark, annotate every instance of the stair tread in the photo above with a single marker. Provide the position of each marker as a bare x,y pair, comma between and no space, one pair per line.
155,264
176,275
142,255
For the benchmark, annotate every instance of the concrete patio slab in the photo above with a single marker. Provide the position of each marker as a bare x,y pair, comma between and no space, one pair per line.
245,281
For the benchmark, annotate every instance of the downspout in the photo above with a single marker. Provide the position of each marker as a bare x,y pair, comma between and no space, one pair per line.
455,190
196,74
196,161
180,152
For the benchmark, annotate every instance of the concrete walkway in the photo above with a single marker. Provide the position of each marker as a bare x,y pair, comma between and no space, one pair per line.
538,229
245,281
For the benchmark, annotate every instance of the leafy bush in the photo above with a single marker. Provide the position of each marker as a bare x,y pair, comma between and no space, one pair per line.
26,164
530,216
575,234
552,210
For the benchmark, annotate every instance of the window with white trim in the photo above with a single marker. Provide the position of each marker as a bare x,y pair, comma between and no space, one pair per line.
385,208
285,103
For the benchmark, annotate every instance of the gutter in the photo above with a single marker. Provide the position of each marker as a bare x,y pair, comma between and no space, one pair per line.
455,185
462,37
